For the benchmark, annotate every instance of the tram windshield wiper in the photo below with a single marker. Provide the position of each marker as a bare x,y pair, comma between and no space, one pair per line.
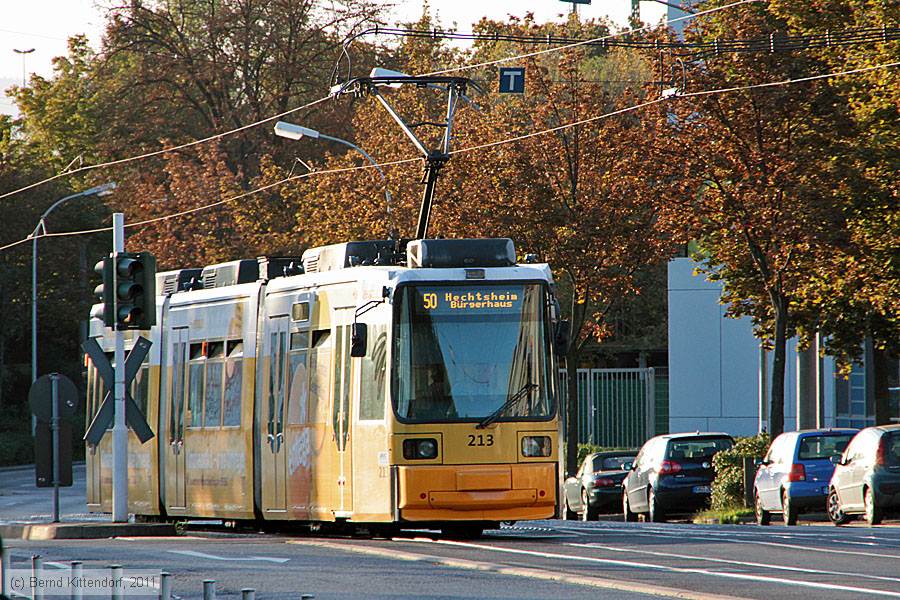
525,389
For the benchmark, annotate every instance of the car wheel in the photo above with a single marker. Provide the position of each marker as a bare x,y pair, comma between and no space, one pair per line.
763,517
874,514
571,515
835,513
656,513
788,509
587,513
630,517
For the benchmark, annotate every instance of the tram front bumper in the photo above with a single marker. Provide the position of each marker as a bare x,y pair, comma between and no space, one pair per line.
477,492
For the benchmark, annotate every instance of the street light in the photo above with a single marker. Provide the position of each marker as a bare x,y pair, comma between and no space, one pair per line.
296,132
23,53
39,230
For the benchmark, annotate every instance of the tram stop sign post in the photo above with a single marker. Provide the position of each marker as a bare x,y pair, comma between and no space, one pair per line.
53,399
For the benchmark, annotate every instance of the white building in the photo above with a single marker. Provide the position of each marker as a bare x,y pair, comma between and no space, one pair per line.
719,378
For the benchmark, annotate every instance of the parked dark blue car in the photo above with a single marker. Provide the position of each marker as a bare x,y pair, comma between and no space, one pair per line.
793,478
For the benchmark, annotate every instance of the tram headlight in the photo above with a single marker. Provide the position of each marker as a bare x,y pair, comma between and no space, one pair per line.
420,449
536,445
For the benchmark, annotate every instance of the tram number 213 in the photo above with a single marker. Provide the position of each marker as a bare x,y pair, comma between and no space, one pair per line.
481,440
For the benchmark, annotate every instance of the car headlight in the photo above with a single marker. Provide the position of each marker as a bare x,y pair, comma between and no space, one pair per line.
420,448
536,445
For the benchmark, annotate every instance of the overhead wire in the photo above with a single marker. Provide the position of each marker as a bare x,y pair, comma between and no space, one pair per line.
588,41
467,149
166,150
161,151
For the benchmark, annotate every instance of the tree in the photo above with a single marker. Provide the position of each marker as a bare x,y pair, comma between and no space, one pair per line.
763,162
854,289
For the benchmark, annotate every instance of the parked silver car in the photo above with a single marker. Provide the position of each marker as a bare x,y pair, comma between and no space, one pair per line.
866,477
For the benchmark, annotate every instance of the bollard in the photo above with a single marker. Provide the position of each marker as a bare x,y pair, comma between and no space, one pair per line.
248,594
4,572
165,586
209,589
117,591
37,568
74,585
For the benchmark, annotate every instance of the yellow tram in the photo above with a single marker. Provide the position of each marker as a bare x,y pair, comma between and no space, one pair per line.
358,384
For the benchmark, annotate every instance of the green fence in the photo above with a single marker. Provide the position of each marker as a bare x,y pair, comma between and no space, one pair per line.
620,407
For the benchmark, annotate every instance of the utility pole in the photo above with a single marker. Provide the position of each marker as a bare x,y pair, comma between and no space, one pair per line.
120,430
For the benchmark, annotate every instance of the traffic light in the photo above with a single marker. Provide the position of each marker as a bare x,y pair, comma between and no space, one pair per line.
104,291
135,290
130,302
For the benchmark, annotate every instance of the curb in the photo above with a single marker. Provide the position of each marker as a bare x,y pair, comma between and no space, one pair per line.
84,531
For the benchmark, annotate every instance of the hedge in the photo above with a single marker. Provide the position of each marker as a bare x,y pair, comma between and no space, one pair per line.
728,486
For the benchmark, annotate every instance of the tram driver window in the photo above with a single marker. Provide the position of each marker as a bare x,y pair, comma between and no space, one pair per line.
298,378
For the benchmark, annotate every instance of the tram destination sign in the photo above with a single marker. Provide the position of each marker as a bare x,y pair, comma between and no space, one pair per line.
459,299
104,417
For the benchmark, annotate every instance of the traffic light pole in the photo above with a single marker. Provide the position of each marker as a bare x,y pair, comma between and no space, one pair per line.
120,430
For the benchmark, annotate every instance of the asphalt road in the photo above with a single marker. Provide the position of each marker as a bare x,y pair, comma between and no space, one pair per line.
546,559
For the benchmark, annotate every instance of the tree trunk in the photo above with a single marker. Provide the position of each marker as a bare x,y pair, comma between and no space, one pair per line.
879,369
776,414
572,409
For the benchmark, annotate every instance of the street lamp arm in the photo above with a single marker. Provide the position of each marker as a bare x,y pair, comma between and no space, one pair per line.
358,149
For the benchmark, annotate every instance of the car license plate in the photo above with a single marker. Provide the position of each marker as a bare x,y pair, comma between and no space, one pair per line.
701,489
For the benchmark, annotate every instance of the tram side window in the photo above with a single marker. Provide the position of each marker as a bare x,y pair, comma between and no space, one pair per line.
338,369
298,378
233,382
102,389
319,372
215,361
140,387
196,384
372,376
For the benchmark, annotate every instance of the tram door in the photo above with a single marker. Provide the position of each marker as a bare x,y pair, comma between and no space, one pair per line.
274,450
341,395
176,477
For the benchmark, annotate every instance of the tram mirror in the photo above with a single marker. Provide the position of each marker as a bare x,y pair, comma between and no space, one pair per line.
561,338
359,340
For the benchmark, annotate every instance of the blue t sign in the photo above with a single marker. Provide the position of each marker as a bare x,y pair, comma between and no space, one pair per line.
512,80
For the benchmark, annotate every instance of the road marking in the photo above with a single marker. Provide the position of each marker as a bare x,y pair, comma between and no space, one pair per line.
655,567
229,558
719,538
517,571
735,562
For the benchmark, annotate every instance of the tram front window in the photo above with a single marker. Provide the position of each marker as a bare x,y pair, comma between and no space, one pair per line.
463,351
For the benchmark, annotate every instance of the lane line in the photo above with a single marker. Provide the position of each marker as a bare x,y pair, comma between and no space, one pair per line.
607,583
707,538
736,562
655,567
226,558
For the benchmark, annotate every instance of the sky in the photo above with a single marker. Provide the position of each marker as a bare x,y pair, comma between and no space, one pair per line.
45,25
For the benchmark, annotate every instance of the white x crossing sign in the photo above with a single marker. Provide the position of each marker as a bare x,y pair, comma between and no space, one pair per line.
104,417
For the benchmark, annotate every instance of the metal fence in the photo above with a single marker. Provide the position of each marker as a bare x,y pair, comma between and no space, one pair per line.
617,407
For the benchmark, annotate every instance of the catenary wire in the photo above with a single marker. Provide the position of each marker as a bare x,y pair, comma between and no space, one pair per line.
588,41
128,159
468,149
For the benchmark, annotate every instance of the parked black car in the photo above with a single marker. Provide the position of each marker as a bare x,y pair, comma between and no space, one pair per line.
597,486
672,474
866,478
